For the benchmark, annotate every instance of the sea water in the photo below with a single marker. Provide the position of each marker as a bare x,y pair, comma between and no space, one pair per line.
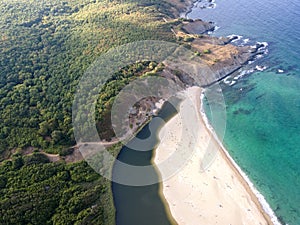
263,107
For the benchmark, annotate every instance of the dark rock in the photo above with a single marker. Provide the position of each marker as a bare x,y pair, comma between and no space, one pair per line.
198,27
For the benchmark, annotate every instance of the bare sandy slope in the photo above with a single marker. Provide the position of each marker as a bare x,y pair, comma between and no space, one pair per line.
218,195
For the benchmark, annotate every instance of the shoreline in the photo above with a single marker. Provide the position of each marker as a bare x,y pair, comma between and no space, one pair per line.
177,184
257,197
225,155
189,9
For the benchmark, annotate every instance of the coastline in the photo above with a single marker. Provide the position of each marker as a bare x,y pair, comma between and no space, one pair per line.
184,13
256,196
225,185
249,189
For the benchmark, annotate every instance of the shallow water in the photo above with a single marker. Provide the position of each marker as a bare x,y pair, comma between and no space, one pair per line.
143,205
263,122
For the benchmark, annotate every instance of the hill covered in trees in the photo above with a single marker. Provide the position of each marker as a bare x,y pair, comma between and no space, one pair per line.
45,48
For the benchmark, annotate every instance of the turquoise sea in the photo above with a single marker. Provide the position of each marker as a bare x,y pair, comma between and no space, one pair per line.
263,108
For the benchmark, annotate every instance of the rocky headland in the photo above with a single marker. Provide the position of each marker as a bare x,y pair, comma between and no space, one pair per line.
220,55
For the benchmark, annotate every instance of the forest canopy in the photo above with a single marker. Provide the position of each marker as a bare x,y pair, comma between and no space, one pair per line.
45,48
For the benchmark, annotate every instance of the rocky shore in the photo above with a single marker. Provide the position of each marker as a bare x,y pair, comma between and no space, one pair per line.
220,55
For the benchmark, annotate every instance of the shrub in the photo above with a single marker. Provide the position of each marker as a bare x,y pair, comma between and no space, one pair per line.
35,158
188,39
197,53
207,51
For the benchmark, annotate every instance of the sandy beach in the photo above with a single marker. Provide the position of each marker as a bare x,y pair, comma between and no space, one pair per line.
217,195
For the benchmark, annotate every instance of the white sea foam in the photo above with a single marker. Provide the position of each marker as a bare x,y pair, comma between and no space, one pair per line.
266,51
216,28
280,71
258,57
264,47
264,43
243,73
237,37
226,81
246,40
260,68
204,117
206,4
232,83
265,205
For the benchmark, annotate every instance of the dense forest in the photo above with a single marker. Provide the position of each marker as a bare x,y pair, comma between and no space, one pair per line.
34,191
45,48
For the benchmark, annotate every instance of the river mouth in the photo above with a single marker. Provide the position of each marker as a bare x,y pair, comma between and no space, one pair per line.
136,205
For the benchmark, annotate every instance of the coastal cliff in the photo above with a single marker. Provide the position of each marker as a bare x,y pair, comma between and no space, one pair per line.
220,55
